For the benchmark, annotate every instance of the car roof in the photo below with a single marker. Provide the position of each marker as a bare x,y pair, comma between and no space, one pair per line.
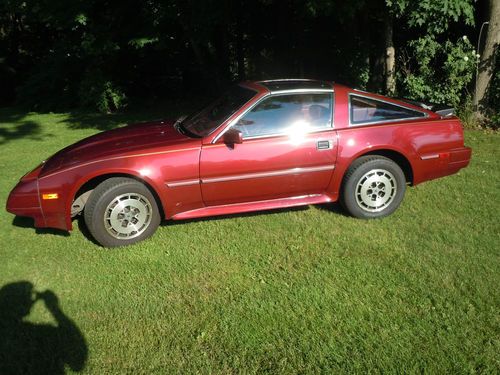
276,85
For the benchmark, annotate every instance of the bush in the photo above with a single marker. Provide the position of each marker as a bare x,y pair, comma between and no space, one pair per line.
468,115
98,92
50,85
438,72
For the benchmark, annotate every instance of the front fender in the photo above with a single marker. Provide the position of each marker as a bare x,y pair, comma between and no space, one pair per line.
66,184
154,169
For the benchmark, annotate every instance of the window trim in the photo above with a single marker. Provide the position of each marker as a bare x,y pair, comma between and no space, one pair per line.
301,91
283,93
350,95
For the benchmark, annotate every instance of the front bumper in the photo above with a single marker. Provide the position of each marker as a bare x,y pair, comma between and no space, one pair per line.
24,200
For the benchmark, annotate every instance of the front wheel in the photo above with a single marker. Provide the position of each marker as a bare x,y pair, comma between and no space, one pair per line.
373,187
121,211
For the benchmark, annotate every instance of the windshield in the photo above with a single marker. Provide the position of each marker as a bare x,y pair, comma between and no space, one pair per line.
208,119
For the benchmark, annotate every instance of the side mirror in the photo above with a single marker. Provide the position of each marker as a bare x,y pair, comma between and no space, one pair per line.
232,136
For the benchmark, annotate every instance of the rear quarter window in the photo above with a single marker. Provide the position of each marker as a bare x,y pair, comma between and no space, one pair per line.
365,110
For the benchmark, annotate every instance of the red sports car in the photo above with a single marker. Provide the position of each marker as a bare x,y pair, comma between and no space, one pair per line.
261,145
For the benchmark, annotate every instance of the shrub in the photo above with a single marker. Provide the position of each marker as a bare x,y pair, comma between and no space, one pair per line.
98,92
438,72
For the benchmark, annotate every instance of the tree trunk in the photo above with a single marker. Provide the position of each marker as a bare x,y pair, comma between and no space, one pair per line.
390,56
377,67
487,61
379,42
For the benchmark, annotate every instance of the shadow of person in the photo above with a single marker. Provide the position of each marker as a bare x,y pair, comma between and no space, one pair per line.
28,348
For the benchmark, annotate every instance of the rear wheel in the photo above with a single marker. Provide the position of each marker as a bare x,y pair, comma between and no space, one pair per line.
373,187
121,211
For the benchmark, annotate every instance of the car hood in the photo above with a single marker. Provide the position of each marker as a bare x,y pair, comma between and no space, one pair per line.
123,141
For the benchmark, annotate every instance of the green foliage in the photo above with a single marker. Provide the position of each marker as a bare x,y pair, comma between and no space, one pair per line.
154,48
467,114
49,86
100,93
434,16
141,42
438,72
433,67
81,19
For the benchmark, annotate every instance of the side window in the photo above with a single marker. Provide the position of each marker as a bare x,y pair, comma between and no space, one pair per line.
283,114
365,110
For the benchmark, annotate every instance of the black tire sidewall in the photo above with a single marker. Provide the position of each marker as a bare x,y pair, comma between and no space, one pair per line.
357,171
100,199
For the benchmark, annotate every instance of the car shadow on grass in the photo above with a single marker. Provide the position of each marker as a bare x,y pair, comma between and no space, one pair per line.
166,223
80,221
334,207
27,222
32,348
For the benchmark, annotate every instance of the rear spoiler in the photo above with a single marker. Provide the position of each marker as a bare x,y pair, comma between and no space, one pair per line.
441,109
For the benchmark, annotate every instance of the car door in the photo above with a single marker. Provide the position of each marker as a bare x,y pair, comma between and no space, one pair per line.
289,149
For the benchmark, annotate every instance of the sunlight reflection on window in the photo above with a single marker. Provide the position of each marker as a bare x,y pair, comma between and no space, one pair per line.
297,131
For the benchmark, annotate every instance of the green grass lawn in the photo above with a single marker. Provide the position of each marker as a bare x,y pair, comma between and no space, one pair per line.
295,291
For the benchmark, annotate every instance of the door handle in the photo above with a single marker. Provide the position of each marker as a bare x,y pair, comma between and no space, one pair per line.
324,145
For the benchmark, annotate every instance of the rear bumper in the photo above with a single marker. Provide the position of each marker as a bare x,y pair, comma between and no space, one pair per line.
459,158
440,164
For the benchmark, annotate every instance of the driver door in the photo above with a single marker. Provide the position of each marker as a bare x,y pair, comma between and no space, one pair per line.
288,149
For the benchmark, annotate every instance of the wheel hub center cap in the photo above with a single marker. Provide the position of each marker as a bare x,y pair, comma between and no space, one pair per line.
128,215
375,190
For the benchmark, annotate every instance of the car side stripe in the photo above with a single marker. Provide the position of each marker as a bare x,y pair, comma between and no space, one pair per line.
268,174
182,183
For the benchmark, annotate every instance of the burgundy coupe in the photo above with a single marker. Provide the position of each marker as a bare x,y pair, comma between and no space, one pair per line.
262,145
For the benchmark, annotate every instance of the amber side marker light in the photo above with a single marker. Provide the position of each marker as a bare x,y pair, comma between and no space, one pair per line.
50,196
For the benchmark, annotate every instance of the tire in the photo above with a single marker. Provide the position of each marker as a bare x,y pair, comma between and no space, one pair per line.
114,225
373,187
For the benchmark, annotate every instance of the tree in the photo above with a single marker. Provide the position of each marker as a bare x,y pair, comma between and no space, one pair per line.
57,54
487,62
390,56
437,59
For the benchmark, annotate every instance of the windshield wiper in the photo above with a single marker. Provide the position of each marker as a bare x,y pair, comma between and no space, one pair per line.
181,129
178,122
